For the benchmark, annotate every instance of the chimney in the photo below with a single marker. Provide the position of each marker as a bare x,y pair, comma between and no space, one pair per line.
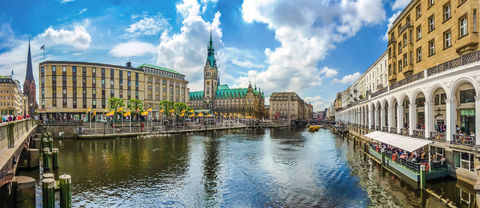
129,64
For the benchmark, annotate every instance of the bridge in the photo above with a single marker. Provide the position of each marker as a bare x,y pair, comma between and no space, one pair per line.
15,140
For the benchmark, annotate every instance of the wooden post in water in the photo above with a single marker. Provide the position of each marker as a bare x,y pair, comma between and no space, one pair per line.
48,175
65,191
46,158
55,158
48,192
423,178
44,142
383,156
50,144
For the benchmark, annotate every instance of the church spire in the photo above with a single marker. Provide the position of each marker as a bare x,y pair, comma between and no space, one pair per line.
211,53
29,75
211,42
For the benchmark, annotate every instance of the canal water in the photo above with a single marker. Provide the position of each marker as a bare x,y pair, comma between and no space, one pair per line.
241,168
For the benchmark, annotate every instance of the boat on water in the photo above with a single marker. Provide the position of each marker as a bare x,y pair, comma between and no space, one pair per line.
313,128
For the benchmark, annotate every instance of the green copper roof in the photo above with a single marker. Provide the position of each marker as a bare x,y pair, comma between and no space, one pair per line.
223,87
196,95
157,67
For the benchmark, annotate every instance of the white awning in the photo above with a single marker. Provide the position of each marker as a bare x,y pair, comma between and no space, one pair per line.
403,142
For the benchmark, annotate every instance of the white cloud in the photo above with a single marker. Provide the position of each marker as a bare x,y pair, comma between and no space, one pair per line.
133,49
74,13
186,51
348,79
78,38
316,101
390,22
307,30
243,58
329,72
400,4
65,1
78,54
146,26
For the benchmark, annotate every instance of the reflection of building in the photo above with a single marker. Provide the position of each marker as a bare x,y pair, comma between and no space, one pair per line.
287,105
68,89
29,87
12,101
221,98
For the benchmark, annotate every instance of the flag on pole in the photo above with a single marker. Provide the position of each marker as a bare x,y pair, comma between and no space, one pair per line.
94,113
126,114
149,110
161,111
208,115
89,109
110,114
137,110
192,115
181,115
106,110
200,114
120,109
215,113
43,47
183,111
191,111
171,111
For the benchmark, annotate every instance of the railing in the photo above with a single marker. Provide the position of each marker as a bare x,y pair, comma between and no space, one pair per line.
379,86
409,79
385,129
460,139
12,131
419,134
393,130
415,166
363,99
404,132
462,60
379,92
437,136
377,128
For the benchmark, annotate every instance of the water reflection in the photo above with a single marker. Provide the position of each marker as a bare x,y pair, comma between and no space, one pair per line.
241,168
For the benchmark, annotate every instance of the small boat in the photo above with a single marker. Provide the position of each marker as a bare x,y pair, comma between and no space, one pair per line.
313,128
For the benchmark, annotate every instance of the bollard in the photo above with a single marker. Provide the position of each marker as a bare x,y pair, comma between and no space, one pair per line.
49,175
48,193
423,178
65,191
383,156
50,144
44,142
55,158
46,158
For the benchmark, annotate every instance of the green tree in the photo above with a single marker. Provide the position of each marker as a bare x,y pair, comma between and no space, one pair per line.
114,104
166,106
134,104
179,107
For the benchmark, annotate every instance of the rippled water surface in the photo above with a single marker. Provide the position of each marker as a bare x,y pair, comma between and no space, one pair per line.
262,168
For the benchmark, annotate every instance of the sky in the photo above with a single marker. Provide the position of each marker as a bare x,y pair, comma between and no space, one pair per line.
311,47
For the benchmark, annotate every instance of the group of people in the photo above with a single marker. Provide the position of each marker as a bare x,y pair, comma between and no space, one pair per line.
418,156
10,118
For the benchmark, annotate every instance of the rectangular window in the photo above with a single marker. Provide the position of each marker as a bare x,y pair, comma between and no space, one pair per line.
463,26
42,69
419,54
94,80
467,96
431,46
84,70
94,70
419,32
74,69
431,2
103,81
64,91
437,99
464,160
431,23
54,68
443,99
112,94
103,71
405,60
64,69
474,20
419,11
128,74
94,92
448,39
446,12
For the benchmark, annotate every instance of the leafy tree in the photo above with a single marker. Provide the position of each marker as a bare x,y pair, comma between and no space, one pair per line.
115,103
166,106
134,104
179,107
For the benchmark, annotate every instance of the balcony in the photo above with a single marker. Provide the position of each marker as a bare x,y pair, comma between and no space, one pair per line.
437,136
393,130
408,25
419,134
464,140
379,86
392,78
392,41
408,70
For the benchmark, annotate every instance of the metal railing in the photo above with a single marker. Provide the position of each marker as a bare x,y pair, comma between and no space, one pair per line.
385,129
377,128
460,139
379,92
462,60
407,80
437,136
415,166
419,134
393,130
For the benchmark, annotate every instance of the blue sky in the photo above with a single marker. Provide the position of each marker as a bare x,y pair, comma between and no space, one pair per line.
315,48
